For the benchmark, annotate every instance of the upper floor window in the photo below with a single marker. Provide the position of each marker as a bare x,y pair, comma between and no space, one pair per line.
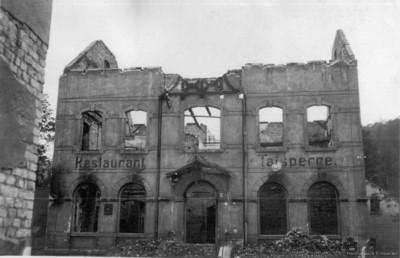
270,126
136,129
86,208
202,128
319,126
91,133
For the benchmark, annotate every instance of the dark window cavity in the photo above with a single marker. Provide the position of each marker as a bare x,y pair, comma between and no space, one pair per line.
86,208
323,211
319,126
374,204
91,133
202,128
132,209
270,126
272,202
136,130
201,213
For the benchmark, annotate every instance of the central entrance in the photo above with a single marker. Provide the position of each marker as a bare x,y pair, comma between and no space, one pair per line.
201,211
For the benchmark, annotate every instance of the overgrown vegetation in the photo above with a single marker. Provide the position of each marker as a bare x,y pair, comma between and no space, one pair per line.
47,127
382,152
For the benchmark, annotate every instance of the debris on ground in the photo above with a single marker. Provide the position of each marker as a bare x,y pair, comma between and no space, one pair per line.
157,248
294,244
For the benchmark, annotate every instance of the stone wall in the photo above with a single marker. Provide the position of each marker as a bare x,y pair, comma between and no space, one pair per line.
22,63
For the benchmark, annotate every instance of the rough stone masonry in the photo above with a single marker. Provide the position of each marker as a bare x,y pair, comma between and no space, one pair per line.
24,35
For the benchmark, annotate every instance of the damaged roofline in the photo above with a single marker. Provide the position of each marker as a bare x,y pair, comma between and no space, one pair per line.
341,53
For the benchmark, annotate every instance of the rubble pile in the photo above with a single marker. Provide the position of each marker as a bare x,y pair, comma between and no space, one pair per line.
298,241
153,248
180,249
135,248
294,244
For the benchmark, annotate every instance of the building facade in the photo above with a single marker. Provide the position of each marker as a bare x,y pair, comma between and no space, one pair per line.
383,219
246,156
24,37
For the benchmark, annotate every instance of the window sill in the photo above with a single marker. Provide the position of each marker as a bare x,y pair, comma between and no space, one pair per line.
85,234
89,152
260,149
309,148
375,213
133,151
203,151
130,234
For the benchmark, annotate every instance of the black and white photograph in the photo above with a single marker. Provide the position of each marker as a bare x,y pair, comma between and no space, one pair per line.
200,129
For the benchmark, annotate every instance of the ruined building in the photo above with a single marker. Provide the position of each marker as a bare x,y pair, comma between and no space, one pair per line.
246,156
24,37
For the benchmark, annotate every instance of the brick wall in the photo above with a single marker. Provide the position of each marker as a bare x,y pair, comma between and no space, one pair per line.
22,59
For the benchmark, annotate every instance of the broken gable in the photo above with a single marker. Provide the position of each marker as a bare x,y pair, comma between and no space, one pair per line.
95,56
341,48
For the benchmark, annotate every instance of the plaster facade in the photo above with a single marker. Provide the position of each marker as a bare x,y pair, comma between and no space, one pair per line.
232,174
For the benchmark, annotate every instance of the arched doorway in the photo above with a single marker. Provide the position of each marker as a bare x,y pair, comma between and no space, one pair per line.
132,208
272,209
201,212
323,209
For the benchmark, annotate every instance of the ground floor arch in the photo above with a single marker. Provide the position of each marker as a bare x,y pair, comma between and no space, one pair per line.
200,212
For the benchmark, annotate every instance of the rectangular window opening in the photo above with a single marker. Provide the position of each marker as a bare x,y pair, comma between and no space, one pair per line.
270,127
202,128
91,133
319,126
136,130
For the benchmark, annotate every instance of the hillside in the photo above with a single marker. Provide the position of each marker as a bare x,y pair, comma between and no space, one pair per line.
382,151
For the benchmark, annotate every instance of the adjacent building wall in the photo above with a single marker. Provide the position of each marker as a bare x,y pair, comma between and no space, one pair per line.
24,35
383,224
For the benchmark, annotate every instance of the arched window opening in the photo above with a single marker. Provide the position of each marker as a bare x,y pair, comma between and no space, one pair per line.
91,133
136,130
319,126
132,209
273,213
86,208
202,128
374,204
323,211
270,126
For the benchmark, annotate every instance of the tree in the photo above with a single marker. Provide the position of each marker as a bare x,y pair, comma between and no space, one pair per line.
46,138
382,150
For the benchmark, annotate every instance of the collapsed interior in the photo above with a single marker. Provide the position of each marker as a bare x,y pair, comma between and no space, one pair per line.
136,129
202,128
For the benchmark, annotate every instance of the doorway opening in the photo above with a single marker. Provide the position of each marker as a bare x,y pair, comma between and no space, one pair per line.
201,213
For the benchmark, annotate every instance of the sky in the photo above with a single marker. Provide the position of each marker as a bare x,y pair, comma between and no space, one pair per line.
208,38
